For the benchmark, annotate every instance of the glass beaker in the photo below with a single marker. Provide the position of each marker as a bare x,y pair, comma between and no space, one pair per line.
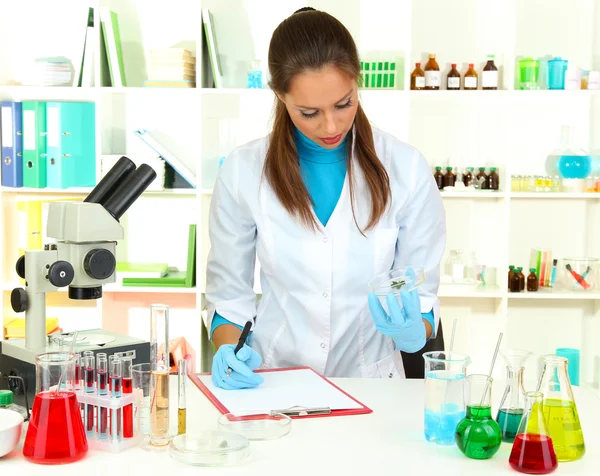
445,374
478,435
55,434
533,451
528,73
560,410
557,68
512,404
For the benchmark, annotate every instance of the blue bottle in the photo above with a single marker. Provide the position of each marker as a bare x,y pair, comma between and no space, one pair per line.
255,76
557,68
574,166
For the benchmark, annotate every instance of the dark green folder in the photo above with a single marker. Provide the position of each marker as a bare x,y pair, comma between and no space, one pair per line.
174,278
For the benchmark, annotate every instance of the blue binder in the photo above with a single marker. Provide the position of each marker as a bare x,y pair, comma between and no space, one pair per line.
12,143
70,144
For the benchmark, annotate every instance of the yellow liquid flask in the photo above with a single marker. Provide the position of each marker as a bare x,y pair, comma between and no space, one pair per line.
560,411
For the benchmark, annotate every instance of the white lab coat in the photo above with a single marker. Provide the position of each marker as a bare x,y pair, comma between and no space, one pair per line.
314,309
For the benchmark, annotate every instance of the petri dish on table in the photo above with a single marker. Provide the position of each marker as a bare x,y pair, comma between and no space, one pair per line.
401,278
209,448
256,427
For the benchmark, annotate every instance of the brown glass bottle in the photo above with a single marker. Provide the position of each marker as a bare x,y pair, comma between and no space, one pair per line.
489,76
515,285
432,73
468,176
511,273
493,179
417,78
439,178
521,280
481,178
533,283
453,79
449,178
471,78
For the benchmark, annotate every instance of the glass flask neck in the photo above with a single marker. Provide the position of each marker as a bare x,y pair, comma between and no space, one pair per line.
515,378
567,137
478,412
554,381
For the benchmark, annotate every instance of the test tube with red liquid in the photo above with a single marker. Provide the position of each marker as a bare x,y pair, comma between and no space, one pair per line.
89,366
102,389
116,372
127,409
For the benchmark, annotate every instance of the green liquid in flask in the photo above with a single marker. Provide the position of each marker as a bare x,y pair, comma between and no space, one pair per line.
478,435
509,423
565,429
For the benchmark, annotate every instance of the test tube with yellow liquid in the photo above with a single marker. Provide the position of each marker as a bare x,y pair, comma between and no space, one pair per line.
159,378
560,411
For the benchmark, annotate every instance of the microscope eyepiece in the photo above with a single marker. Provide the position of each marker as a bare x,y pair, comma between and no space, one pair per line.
111,181
129,191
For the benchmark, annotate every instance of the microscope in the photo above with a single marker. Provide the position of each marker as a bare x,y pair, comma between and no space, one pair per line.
82,258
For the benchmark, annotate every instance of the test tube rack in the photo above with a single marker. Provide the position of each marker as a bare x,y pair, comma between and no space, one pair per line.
114,441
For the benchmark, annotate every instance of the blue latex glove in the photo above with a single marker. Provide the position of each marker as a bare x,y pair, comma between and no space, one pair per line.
404,324
242,366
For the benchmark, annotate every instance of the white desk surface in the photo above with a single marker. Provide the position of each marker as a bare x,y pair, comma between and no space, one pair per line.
388,441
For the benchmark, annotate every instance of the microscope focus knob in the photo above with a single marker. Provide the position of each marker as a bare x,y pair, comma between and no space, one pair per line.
20,267
99,264
18,300
61,274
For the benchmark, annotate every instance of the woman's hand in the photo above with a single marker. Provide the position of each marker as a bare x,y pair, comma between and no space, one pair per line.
241,364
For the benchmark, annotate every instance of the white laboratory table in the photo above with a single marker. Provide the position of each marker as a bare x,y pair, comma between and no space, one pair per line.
387,441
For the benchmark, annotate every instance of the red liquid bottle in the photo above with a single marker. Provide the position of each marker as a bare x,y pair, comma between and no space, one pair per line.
55,434
533,451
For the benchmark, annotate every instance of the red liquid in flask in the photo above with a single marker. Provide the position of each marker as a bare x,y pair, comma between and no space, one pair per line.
127,410
55,434
533,454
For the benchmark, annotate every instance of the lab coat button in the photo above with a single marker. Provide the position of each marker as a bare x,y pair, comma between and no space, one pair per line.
322,345
325,239
325,295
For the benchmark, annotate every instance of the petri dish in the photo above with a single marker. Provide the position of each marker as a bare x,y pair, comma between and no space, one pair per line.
256,427
209,448
396,279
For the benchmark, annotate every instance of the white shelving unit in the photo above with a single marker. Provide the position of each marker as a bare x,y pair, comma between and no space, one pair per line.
510,129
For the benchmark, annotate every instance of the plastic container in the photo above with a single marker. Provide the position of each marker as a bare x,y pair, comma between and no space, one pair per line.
578,274
256,427
528,73
556,73
211,448
396,279
11,427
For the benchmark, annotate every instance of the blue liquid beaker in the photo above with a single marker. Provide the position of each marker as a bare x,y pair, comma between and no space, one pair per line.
556,73
574,166
445,377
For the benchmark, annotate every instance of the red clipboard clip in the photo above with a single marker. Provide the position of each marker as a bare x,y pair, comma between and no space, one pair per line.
301,411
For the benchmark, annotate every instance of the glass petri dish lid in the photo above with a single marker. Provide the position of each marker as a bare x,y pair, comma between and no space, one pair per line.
405,277
209,448
256,427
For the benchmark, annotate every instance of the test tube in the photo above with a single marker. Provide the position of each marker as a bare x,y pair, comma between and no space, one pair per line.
78,372
116,372
127,388
181,379
89,365
159,379
102,412
110,361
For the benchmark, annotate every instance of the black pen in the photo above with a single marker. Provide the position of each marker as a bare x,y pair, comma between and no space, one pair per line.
241,342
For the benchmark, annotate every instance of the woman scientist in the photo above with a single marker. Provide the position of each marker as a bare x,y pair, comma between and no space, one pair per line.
325,202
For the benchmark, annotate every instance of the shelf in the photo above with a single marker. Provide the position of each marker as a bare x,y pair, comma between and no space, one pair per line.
555,195
476,195
87,190
458,291
48,92
555,294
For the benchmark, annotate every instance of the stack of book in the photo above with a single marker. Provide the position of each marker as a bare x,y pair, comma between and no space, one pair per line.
171,68
56,71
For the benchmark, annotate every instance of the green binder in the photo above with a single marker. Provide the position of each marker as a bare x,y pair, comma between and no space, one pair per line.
34,144
174,278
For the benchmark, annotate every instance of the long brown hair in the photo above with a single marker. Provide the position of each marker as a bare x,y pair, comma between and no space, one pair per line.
311,41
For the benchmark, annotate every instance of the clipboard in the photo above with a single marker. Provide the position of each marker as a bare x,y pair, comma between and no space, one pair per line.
294,411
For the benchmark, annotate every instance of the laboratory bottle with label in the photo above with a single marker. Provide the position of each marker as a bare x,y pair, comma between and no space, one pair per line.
449,178
493,179
468,177
439,178
471,78
481,179
417,78
489,75
453,79
532,281
432,73
515,285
